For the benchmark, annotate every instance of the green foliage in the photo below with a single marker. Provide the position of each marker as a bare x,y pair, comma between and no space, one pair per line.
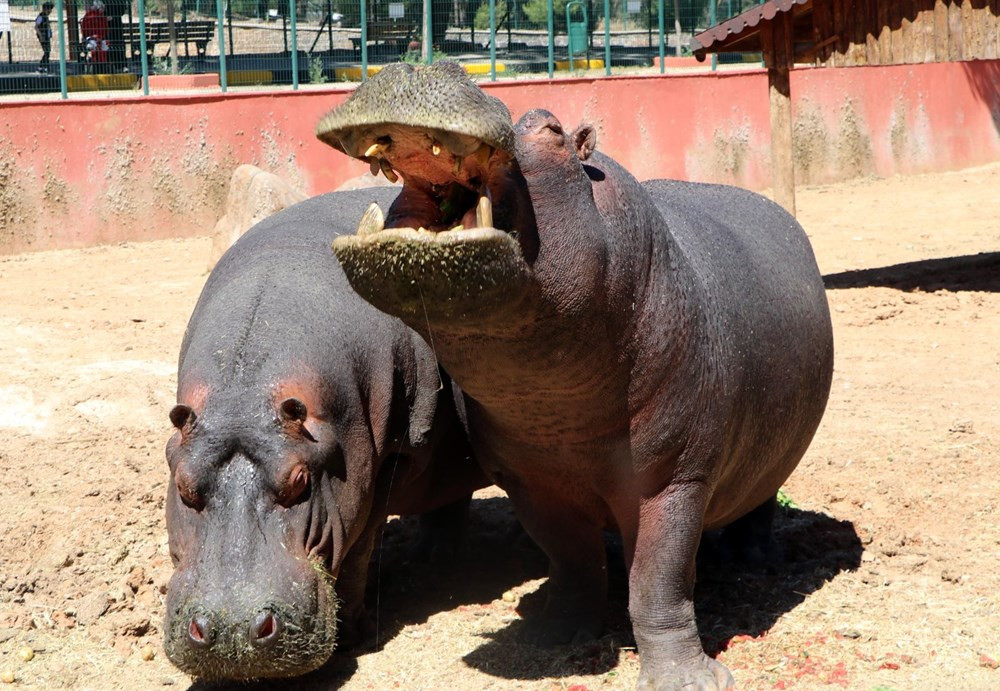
785,501
482,20
162,65
413,57
537,13
316,75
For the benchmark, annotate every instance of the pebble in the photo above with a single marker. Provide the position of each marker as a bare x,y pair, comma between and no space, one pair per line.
508,596
7,676
148,653
26,653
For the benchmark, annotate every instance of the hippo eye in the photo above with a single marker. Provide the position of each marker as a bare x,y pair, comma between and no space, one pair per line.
294,487
187,489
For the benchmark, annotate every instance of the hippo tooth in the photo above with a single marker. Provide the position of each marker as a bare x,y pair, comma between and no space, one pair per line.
372,221
458,166
483,154
374,149
387,170
373,166
436,149
484,213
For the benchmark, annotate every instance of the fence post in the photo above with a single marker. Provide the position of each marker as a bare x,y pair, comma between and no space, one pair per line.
364,40
607,38
662,20
493,40
62,48
295,46
428,33
552,38
143,58
713,19
222,45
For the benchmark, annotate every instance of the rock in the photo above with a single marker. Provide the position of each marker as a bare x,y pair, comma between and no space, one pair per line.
92,608
253,196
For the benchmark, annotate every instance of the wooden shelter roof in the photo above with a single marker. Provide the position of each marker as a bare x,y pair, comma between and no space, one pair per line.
742,33
845,33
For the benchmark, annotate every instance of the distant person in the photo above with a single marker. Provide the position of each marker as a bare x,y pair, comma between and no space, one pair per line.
43,30
94,29
114,9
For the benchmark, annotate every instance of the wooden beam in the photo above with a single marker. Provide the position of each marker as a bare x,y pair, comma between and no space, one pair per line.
776,37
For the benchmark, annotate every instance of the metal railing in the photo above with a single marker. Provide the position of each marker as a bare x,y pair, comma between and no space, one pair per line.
133,44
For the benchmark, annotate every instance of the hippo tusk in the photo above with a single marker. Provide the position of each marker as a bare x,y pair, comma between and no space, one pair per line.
436,149
387,170
373,166
372,221
484,213
458,166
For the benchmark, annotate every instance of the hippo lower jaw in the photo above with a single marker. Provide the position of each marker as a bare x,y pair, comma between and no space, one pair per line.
423,273
442,256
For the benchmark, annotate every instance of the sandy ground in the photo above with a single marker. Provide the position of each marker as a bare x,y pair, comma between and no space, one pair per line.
891,580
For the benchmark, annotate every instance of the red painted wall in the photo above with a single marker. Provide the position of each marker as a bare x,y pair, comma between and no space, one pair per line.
90,171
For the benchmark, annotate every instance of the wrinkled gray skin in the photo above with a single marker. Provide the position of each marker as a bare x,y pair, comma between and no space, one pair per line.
304,417
649,358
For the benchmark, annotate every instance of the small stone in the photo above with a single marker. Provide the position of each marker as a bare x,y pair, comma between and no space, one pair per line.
26,653
508,596
7,676
147,653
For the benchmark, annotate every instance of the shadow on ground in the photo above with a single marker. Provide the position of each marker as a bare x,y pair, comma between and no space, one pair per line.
729,602
972,272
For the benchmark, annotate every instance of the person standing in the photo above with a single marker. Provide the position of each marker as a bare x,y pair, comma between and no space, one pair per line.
94,29
43,30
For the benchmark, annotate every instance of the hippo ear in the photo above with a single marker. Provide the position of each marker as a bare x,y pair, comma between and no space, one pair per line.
182,417
584,141
294,411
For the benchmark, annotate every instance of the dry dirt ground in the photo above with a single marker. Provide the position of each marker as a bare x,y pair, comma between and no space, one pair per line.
891,580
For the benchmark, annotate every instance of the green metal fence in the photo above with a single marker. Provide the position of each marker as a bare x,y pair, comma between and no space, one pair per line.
129,44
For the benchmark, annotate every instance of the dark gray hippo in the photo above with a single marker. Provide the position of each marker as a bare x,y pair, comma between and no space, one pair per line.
304,417
653,358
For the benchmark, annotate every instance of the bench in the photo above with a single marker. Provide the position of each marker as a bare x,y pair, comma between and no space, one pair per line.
388,32
197,32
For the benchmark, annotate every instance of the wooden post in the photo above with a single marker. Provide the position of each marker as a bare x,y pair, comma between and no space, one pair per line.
776,37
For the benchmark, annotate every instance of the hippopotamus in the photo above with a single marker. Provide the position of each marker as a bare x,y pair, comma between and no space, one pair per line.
304,416
648,358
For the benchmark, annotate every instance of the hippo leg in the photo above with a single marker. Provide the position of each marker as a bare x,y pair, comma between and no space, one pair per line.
443,531
750,539
661,593
577,586
355,625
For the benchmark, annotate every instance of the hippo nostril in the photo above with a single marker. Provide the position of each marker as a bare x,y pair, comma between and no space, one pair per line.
200,632
265,629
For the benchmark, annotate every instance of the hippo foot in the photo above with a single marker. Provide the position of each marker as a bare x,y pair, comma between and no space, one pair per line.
552,631
701,674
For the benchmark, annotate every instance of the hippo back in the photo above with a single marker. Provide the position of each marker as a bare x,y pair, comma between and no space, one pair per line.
277,277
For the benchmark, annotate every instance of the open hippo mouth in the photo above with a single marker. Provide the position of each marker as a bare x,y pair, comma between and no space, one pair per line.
455,239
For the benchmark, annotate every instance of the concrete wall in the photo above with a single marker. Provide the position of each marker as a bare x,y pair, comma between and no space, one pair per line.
93,171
